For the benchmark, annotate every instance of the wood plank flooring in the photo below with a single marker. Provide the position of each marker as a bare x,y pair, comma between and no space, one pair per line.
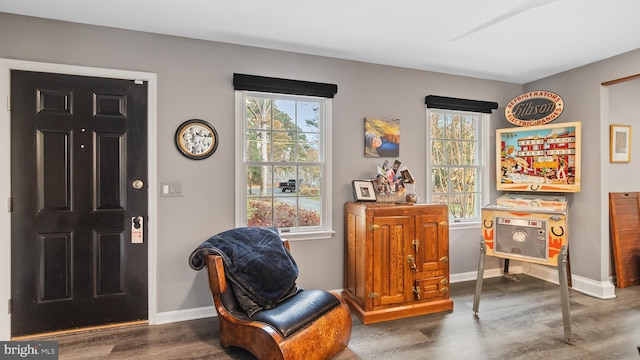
517,320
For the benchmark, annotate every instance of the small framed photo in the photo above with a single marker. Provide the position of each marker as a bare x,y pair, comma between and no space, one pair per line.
363,190
620,143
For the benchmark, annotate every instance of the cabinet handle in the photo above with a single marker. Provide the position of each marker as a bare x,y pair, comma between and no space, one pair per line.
416,291
444,282
444,259
374,227
444,290
412,262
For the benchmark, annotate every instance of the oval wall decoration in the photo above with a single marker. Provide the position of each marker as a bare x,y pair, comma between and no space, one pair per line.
534,108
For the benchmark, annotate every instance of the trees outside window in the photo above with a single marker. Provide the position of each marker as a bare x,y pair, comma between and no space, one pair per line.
457,162
283,161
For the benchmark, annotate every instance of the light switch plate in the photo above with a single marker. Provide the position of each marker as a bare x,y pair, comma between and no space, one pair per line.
170,189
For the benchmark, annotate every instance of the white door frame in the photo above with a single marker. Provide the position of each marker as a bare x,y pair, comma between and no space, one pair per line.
6,65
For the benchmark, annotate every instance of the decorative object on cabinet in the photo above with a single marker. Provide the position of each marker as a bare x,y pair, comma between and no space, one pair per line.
393,182
363,190
252,279
396,260
620,143
381,137
196,139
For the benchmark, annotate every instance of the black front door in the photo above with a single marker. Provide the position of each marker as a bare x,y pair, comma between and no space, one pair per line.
78,147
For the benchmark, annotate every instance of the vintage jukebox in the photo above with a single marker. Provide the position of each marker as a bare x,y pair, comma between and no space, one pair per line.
538,166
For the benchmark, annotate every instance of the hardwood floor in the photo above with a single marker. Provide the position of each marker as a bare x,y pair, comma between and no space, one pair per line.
517,320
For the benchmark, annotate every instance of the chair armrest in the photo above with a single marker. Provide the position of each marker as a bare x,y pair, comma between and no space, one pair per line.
215,270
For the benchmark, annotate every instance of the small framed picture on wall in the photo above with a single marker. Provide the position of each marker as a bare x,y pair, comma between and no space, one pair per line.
620,143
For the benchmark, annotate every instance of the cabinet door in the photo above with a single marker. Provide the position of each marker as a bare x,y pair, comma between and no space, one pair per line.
431,249
391,241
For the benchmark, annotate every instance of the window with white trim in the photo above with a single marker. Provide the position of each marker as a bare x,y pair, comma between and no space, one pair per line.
283,170
457,166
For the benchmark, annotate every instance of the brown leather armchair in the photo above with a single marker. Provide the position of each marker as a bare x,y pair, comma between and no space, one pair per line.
311,324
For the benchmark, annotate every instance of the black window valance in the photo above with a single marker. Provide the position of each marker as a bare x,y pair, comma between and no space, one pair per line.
449,103
283,86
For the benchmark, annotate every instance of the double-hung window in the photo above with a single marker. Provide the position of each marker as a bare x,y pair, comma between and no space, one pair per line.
283,174
458,161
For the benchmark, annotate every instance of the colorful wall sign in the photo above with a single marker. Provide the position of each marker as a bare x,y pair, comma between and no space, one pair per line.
534,108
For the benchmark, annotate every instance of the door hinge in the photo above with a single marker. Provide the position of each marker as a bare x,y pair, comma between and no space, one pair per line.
10,204
138,82
373,295
8,102
374,227
10,306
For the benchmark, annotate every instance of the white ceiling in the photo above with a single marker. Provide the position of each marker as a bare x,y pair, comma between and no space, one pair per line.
509,40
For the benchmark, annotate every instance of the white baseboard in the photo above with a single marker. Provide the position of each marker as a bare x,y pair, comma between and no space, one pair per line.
600,290
488,273
184,315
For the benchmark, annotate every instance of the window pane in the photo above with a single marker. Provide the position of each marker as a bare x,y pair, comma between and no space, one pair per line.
437,126
472,202
258,146
259,212
285,179
258,113
456,178
285,213
308,116
470,177
452,126
308,147
437,152
284,115
453,153
259,181
440,180
310,179
468,155
469,127
283,146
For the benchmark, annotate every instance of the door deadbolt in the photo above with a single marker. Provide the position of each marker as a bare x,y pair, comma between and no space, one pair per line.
137,229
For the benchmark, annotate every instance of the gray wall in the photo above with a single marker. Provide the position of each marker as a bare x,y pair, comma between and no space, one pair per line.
597,107
624,109
195,81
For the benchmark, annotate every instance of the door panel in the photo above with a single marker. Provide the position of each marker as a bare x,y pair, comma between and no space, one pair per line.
389,262
77,145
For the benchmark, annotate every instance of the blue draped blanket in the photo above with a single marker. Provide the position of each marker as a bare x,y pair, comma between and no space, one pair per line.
260,269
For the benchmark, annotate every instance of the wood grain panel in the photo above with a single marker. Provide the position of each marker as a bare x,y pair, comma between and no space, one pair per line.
624,213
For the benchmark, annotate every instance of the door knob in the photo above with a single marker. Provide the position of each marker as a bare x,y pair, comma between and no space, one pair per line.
137,184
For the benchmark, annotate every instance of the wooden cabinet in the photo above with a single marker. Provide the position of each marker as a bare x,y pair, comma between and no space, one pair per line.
396,260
